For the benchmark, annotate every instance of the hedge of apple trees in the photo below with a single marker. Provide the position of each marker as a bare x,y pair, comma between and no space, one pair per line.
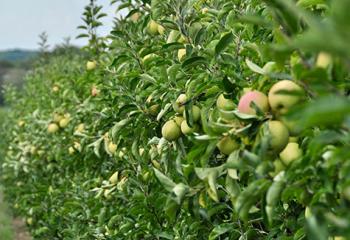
220,119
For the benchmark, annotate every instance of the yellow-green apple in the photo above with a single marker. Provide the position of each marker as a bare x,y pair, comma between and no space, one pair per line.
181,53
225,103
171,131
279,135
179,104
52,128
279,99
290,153
227,145
196,113
91,65
323,60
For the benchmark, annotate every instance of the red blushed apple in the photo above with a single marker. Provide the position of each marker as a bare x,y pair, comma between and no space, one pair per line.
260,100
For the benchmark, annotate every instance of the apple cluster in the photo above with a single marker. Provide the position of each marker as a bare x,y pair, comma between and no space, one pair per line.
178,125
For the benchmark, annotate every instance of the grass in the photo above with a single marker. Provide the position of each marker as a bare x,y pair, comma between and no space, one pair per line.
6,230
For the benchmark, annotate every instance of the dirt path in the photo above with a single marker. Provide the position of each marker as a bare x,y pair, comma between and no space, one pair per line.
11,228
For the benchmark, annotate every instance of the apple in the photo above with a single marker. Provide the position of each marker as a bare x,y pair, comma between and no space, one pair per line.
152,27
71,150
178,120
21,123
281,102
91,65
181,53
224,103
227,145
57,117
196,113
135,16
52,128
94,91
260,100
279,135
290,153
278,167
204,10
173,36
55,88
179,105
171,131
114,178
161,29
112,147
323,60
80,128
183,39
153,110
292,139
141,151
185,129
64,122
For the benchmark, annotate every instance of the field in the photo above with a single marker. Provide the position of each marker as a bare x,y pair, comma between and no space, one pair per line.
191,120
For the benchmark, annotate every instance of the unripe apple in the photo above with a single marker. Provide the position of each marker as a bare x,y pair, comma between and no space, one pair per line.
71,150
114,178
77,146
179,106
290,153
196,113
227,145
94,91
224,103
282,102
279,135
292,139
278,167
57,117
161,29
204,10
64,122
52,128
153,110
135,16
152,27
179,120
260,100
183,39
173,36
293,127
323,60
30,221
80,128
21,123
171,131
112,147
91,65
185,129
181,53
55,88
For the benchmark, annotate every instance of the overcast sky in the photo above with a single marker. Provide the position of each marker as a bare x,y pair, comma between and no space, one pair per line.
21,21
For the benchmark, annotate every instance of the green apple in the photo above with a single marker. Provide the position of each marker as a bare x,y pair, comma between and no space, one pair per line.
52,128
153,110
227,145
290,153
114,178
279,135
173,36
91,65
260,100
181,53
64,122
224,103
178,120
185,129
179,104
161,29
281,102
171,131
323,60
196,113
152,27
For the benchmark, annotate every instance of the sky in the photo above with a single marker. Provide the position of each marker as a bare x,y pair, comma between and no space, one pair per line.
21,21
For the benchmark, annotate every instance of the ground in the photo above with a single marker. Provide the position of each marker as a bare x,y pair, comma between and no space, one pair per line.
11,228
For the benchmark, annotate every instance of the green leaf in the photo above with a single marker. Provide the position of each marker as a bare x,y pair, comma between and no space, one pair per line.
224,42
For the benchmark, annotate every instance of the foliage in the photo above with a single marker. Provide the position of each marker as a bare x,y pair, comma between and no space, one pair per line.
115,177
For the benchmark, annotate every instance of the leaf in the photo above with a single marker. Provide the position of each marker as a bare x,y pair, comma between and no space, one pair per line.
219,230
194,61
255,68
224,42
164,180
117,127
